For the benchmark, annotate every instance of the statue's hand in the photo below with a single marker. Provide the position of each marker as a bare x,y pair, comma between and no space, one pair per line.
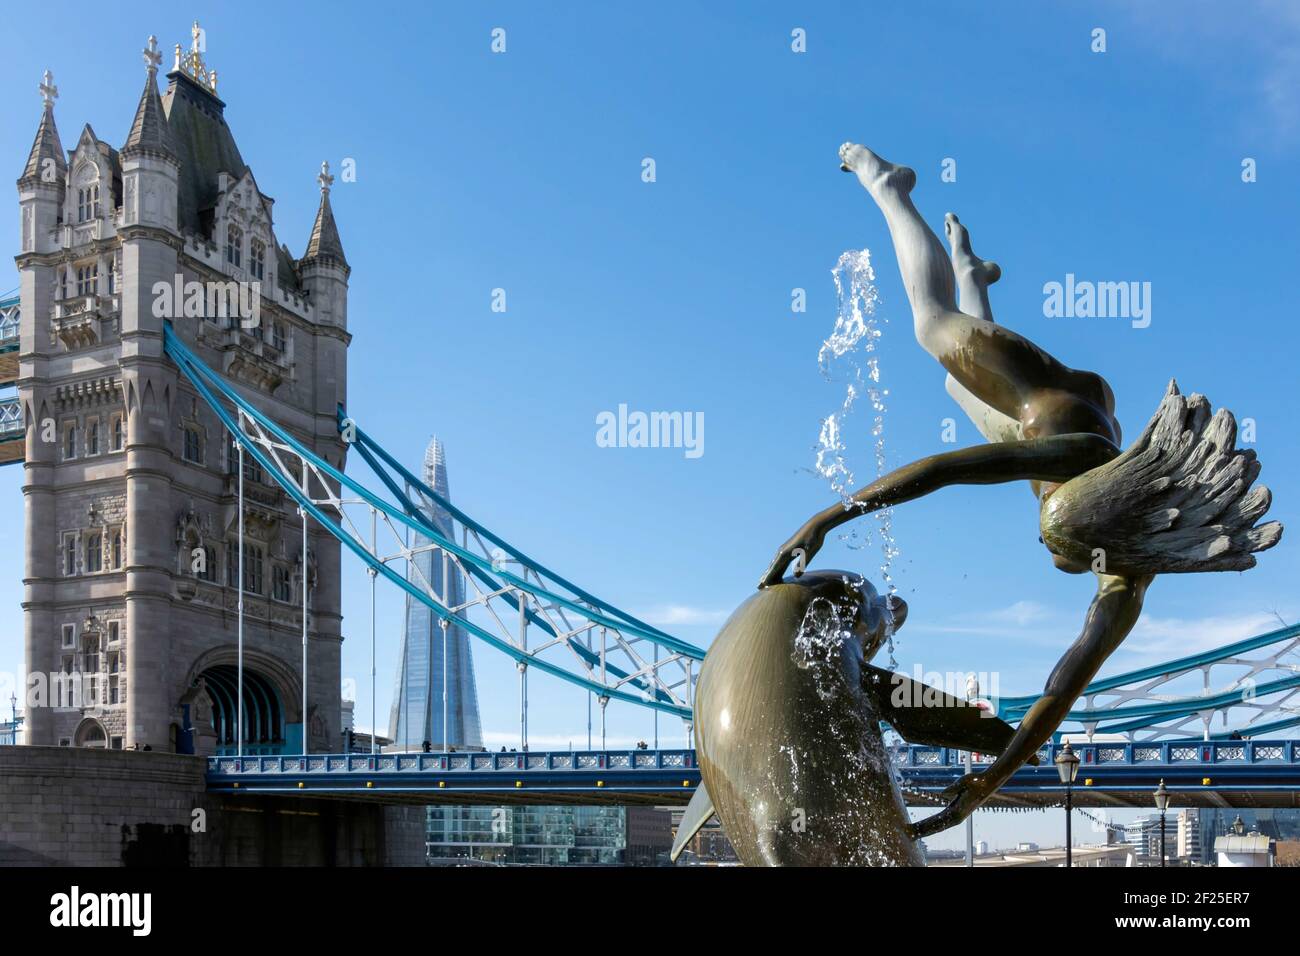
799,551
965,797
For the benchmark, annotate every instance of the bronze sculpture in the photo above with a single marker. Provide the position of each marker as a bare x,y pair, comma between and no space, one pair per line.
1178,500
787,728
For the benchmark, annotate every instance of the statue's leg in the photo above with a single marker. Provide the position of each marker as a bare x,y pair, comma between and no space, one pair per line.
974,276
1111,616
998,366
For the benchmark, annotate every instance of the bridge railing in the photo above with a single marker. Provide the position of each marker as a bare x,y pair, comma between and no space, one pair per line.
9,324
909,758
1159,753
452,763
11,419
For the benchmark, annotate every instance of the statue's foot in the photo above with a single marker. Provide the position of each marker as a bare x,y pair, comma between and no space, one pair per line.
875,174
984,272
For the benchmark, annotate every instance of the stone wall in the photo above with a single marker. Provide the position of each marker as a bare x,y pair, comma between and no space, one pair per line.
63,806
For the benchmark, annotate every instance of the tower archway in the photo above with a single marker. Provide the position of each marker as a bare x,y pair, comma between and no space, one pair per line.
90,733
264,728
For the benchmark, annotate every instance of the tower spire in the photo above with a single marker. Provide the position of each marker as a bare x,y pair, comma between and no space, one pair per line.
325,242
46,161
149,131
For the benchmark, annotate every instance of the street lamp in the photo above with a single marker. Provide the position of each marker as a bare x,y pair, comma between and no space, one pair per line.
1162,804
972,697
1067,767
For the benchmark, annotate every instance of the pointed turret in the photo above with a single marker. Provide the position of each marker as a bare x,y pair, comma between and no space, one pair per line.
150,163
42,185
150,133
323,268
46,162
325,242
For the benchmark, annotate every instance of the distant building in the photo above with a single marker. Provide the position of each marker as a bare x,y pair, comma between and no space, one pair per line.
1189,835
536,836
1242,849
709,846
981,847
358,741
649,836
1143,835
423,671
1282,825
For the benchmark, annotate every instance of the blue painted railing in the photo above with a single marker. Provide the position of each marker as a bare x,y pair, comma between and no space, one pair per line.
1167,753
920,765
11,419
581,761
9,324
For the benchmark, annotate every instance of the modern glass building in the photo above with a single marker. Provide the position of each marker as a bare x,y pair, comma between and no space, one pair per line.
549,836
417,714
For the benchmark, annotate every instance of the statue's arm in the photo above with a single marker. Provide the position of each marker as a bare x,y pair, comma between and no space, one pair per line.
1058,458
1111,616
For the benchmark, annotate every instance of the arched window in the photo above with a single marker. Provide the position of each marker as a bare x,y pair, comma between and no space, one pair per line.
88,203
235,245
257,259
88,279
94,553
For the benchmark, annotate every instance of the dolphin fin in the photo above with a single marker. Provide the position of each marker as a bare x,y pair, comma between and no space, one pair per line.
698,812
923,714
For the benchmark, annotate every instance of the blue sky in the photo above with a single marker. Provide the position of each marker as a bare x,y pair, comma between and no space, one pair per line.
522,171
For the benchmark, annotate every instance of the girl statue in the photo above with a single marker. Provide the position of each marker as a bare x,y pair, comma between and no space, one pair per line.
1178,500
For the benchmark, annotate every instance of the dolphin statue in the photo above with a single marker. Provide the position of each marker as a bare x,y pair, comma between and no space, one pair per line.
788,737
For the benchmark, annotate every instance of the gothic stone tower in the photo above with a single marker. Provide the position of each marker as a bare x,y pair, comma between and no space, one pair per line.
130,481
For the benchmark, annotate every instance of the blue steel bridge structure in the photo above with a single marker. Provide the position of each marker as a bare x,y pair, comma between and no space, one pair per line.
1219,743
11,418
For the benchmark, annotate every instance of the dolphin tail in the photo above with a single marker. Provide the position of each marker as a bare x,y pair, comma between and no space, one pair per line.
698,812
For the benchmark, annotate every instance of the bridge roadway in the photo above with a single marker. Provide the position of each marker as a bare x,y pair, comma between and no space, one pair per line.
1216,773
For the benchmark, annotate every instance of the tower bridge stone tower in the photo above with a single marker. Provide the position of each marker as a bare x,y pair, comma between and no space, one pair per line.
131,590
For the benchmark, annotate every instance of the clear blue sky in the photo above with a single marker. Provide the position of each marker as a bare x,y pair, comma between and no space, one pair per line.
522,171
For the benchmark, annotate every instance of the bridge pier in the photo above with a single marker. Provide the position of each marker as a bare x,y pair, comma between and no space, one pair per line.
64,806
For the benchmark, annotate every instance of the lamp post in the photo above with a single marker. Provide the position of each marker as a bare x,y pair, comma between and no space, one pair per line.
1162,804
1067,767
972,695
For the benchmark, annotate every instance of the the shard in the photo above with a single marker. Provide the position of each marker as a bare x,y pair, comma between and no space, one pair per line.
418,709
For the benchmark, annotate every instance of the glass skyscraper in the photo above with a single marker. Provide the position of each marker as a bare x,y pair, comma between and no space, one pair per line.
417,714
547,836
